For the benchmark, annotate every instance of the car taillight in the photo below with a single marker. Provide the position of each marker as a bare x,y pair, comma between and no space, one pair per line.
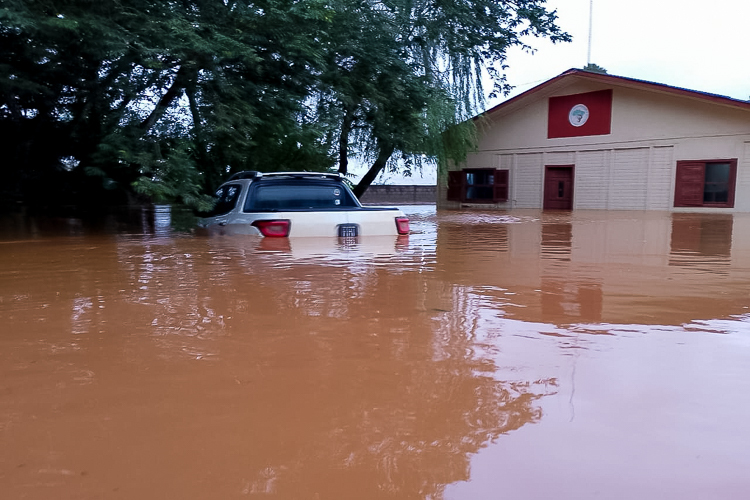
402,225
278,228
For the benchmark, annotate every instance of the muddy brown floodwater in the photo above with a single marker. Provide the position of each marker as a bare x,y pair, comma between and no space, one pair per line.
520,355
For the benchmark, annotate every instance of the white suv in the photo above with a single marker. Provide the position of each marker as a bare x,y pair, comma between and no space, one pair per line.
282,204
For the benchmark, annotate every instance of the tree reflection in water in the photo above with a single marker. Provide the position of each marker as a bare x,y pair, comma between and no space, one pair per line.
326,376
350,382
190,367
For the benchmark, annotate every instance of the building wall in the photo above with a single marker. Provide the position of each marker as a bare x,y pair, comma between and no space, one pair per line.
399,194
632,168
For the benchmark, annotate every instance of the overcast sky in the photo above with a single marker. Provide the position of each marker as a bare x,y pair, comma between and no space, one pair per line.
685,43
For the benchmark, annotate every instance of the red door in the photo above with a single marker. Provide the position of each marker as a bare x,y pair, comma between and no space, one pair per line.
558,188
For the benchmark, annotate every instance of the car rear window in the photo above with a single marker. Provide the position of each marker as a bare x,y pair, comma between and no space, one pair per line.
298,196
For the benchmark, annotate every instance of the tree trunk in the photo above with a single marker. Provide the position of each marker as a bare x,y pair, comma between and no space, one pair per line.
385,153
346,128
187,73
197,125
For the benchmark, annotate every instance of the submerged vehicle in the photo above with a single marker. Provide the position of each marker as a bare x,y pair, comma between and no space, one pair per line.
286,204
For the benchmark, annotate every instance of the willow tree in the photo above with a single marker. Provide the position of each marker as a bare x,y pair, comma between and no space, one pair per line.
412,74
105,100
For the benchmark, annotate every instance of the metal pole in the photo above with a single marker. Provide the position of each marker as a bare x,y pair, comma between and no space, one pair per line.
591,17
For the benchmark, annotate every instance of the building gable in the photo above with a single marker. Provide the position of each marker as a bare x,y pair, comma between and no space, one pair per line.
624,113
625,145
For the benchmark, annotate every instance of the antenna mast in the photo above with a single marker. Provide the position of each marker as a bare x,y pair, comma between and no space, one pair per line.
591,17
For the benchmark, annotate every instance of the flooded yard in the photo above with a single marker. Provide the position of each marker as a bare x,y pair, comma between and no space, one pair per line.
520,355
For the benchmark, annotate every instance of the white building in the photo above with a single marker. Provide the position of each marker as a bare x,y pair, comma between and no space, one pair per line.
586,140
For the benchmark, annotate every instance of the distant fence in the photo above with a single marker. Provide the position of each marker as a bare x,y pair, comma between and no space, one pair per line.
406,195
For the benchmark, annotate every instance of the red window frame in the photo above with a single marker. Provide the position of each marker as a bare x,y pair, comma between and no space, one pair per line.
690,183
458,184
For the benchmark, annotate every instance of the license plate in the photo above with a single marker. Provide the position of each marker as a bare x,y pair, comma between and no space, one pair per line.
348,231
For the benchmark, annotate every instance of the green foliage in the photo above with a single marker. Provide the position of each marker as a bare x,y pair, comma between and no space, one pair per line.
595,68
399,74
112,100
172,179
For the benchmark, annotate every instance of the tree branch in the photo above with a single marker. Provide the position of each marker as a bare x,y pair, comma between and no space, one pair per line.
386,150
188,72
346,129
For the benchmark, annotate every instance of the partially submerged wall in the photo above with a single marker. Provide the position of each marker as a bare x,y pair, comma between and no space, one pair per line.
404,195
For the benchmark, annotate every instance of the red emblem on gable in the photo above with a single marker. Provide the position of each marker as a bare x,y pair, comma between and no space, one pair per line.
580,114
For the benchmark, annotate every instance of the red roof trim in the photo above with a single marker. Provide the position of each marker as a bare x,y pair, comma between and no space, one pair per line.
630,82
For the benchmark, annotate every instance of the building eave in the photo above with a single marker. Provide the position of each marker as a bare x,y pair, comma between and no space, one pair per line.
562,80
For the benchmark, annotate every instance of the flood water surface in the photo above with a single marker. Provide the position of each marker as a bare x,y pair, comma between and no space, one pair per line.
487,355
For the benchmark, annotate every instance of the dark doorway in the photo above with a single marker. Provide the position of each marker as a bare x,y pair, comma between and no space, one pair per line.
558,188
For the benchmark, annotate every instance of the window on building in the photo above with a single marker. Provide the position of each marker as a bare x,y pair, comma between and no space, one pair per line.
705,183
478,185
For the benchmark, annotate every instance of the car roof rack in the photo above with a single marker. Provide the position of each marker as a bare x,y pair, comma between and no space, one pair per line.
246,174
329,175
254,174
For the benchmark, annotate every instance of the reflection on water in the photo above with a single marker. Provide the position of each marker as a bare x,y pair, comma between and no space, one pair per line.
486,352
557,239
698,238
